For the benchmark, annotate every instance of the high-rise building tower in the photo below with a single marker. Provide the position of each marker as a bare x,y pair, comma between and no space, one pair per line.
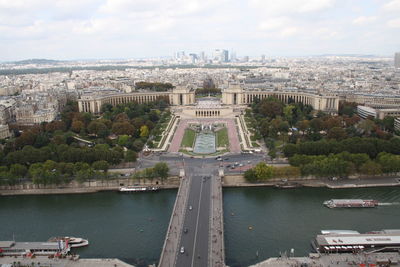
397,60
225,56
221,55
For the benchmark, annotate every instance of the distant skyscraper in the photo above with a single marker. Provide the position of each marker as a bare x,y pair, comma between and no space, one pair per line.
202,56
225,55
193,58
262,58
233,56
180,55
397,60
221,55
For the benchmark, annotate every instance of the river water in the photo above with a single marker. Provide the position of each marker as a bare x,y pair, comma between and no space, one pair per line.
132,226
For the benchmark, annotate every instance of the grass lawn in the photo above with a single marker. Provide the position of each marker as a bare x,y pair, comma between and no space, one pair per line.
188,138
254,144
222,138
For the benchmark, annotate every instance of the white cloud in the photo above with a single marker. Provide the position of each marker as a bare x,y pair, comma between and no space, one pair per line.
106,28
392,6
274,23
394,23
278,7
160,24
362,20
326,33
289,31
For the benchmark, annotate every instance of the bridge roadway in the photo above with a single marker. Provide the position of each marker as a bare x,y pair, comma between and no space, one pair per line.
197,222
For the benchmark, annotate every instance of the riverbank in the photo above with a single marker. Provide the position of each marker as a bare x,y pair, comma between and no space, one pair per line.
173,183
239,181
45,261
84,188
326,260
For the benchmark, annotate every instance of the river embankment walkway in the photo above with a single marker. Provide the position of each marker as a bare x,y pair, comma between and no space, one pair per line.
334,260
55,262
173,183
239,181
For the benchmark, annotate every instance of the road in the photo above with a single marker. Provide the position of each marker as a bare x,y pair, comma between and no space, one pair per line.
195,233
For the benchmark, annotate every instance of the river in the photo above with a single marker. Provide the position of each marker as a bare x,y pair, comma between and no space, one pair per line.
131,227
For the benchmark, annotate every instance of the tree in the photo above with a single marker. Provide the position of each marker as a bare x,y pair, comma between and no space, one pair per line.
124,140
18,170
288,113
272,153
130,156
250,175
316,124
100,165
303,126
98,128
161,170
366,126
137,145
271,108
371,168
144,131
337,133
263,171
77,126
55,126
120,128
290,150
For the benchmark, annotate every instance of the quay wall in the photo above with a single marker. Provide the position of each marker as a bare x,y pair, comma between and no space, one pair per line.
236,180
28,188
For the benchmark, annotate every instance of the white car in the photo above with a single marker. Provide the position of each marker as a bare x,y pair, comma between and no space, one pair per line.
190,207
182,250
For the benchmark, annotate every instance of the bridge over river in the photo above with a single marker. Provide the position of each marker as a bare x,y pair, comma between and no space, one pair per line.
195,236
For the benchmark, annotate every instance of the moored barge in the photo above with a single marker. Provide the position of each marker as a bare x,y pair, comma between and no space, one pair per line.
385,240
351,203
135,188
12,248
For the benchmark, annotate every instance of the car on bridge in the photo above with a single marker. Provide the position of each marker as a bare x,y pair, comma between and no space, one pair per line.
182,250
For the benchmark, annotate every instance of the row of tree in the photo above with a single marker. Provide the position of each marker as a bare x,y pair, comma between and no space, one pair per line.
345,163
263,172
64,153
370,146
158,87
208,91
160,170
51,172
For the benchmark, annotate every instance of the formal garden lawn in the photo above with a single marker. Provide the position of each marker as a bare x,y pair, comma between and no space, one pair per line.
188,138
222,138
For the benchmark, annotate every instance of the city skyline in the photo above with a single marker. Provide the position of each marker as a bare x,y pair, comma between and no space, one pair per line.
149,29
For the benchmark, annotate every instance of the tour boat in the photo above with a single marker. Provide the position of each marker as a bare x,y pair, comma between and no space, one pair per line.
135,188
73,242
351,203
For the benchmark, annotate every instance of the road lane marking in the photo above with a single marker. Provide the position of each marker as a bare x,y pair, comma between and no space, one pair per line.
197,224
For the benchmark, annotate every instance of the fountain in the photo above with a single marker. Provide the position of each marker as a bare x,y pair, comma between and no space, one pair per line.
205,141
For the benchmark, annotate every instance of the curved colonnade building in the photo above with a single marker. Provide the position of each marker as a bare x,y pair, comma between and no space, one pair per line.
234,98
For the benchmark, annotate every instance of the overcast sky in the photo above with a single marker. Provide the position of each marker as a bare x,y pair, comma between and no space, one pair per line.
89,29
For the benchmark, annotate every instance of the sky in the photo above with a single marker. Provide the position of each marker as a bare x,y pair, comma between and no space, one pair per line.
111,29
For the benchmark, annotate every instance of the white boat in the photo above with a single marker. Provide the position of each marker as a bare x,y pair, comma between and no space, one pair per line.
73,242
136,188
339,232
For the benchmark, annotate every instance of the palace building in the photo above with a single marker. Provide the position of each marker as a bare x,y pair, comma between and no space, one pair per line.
182,98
